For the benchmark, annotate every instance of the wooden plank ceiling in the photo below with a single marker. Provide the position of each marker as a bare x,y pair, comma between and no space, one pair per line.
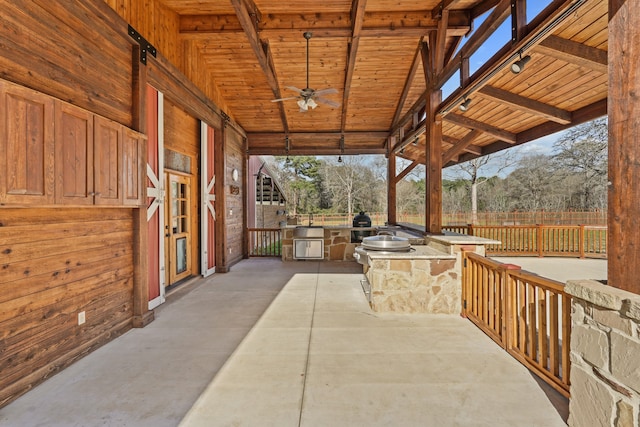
369,51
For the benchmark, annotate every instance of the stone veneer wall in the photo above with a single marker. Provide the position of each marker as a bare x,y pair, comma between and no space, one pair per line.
605,356
337,244
414,286
420,285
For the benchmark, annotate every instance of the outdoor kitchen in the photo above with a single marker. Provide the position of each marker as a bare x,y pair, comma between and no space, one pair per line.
404,270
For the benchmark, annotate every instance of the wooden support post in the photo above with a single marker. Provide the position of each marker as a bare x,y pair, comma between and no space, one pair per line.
142,316
221,199
391,190
433,198
245,201
624,137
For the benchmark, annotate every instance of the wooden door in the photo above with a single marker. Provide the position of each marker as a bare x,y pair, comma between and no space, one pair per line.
208,197
155,192
178,227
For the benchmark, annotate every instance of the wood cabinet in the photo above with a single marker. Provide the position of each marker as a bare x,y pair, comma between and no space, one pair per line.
107,162
133,174
53,152
74,155
26,146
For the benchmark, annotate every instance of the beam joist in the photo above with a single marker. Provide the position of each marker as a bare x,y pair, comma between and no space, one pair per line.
468,123
357,18
575,53
527,105
262,54
459,146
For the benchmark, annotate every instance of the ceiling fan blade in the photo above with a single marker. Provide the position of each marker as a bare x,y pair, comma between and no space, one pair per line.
284,99
327,102
293,88
326,91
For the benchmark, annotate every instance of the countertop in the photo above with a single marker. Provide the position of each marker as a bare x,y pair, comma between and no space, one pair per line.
421,252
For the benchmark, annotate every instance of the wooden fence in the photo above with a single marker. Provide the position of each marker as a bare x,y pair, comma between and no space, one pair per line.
528,315
265,242
584,241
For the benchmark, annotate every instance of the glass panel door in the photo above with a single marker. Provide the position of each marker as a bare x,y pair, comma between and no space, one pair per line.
177,228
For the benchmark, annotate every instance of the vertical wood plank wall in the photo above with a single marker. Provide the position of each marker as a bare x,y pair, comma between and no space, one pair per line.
56,263
234,206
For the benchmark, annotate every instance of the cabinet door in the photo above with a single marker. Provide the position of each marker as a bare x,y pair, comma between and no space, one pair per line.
133,162
107,162
315,249
26,146
74,155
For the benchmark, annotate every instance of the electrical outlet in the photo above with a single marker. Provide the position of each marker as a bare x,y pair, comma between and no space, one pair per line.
81,318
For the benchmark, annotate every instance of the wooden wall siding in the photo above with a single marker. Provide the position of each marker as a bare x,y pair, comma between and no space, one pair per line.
77,51
161,27
156,22
234,202
182,134
55,264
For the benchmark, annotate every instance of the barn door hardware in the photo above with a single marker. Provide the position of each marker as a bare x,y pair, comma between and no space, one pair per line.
145,46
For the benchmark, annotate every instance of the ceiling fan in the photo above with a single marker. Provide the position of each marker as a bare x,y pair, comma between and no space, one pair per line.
307,97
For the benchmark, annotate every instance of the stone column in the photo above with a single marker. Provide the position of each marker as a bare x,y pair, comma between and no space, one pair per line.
605,355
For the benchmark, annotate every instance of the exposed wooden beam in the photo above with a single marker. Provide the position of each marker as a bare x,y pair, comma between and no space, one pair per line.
468,123
471,149
277,94
317,150
327,24
483,8
527,105
488,27
460,146
554,14
441,39
518,20
261,51
391,188
406,171
357,135
583,115
407,85
357,17
444,5
575,53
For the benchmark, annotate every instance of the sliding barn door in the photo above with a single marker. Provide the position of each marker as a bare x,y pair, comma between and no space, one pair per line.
155,196
208,197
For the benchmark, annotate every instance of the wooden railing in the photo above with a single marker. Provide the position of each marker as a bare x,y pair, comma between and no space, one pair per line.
541,240
265,242
528,315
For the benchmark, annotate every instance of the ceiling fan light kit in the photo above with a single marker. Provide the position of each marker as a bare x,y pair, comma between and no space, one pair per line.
307,97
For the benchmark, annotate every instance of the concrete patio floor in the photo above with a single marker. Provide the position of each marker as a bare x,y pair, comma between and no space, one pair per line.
291,344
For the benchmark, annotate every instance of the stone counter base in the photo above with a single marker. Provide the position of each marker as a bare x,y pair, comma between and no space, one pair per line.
415,286
605,356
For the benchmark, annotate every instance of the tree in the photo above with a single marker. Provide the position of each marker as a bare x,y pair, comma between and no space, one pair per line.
472,171
582,151
351,184
301,181
534,184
